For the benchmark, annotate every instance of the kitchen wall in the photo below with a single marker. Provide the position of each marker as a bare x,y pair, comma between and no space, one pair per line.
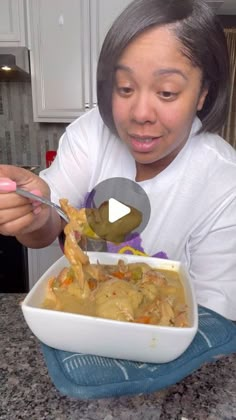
22,141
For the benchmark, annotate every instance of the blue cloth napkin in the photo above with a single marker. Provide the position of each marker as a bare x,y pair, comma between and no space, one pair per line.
89,377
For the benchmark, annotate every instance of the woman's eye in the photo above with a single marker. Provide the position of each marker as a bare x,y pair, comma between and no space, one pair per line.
123,90
167,95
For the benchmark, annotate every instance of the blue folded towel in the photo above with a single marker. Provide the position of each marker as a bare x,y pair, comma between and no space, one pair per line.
86,376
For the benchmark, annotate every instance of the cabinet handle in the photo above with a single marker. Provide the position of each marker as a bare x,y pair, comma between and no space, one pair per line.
61,20
89,106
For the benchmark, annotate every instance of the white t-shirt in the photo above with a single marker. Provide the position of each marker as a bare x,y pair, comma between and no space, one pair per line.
193,201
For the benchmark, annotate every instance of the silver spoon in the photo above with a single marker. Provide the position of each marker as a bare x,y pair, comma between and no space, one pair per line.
7,185
43,200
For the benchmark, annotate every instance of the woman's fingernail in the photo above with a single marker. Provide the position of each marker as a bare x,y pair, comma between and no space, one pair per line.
7,185
37,210
36,192
36,203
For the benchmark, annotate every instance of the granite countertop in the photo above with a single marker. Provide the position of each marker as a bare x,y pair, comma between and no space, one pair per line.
26,390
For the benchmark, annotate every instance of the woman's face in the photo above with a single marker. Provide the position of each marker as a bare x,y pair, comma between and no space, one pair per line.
156,95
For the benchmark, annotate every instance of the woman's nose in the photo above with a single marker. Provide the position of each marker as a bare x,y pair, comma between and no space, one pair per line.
143,109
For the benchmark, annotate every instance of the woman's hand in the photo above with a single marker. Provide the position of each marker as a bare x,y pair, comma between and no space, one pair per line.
20,216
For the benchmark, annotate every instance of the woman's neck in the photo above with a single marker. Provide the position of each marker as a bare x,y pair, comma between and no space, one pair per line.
150,170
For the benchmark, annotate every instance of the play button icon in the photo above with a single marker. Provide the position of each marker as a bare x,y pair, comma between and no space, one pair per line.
116,210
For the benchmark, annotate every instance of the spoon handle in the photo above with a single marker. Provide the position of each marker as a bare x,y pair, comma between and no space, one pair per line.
43,200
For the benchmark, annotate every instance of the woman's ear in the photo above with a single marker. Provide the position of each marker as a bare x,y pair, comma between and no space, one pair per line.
202,98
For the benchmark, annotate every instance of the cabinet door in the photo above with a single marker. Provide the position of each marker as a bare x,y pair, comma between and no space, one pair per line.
59,52
12,23
103,14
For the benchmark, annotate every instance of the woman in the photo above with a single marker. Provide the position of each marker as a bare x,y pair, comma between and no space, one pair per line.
162,85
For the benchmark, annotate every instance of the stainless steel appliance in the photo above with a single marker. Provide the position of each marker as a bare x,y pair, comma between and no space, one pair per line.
14,64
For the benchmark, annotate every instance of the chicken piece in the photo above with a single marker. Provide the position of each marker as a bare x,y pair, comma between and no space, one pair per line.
167,314
51,300
153,276
63,276
73,231
149,311
181,320
96,271
76,216
122,267
72,250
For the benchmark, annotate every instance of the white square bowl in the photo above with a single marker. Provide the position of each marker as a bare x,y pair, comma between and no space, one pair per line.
108,338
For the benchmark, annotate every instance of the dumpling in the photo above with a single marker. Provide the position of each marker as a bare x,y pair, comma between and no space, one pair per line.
117,299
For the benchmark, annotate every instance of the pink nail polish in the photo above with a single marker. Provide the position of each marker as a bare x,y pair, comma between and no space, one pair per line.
7,185
36,203
36,192
37,210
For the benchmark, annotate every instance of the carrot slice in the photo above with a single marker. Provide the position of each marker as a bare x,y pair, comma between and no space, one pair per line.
66,282
143,319
118,274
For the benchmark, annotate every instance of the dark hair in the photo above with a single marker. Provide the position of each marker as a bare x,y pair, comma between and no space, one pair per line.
196,26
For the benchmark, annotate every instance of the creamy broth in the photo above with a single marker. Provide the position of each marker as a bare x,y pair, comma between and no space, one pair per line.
125,292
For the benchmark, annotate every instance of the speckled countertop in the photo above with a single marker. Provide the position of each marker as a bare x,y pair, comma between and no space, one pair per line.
26,391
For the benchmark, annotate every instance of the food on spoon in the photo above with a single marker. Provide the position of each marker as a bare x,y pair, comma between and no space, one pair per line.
73,233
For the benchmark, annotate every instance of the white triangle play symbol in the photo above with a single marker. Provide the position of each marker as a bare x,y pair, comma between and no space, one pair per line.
116,210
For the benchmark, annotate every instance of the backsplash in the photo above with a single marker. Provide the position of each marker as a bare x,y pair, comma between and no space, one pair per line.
23,141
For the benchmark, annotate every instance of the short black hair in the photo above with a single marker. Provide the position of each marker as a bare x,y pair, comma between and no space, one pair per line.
197,27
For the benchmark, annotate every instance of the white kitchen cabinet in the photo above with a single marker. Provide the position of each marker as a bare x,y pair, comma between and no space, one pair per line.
103,13
59,54
39,260
65,40
13,20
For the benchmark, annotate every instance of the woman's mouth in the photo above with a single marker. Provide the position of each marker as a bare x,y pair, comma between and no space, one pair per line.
143,144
